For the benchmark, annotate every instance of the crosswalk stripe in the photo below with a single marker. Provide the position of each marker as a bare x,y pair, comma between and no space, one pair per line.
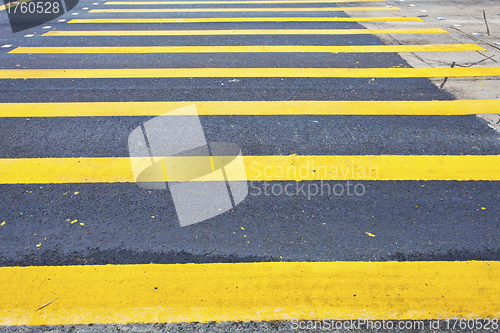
263,168
284,9
248,19
105,294
247,72
230,2
252,49
213,108
73,33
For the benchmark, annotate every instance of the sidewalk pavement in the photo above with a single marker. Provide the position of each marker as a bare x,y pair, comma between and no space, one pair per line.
466,24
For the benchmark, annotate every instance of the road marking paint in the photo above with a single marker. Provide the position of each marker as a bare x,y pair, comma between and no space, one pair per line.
249,19
106,294
252,49
247,72
243,32
257,108
230,2
178,10
261,168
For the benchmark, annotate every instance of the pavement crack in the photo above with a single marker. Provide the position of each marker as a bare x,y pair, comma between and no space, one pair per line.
474,38
446,78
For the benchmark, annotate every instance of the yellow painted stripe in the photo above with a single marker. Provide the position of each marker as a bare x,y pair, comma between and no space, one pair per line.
229,2
13,4
243,32
247,72
260,168
177,10
249,292
251,49
249,19
215,108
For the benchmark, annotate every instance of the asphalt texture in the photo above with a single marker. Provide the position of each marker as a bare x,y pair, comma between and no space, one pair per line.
233,327
412,220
